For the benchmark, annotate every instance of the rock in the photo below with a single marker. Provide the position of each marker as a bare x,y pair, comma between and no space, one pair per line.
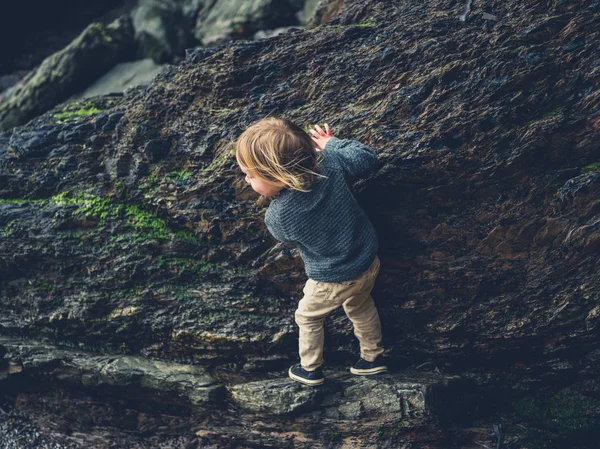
223,20
309,10
577,186
163,27
343,396
278,396
317,13
7,82
66,72
121,77
265,34
125,372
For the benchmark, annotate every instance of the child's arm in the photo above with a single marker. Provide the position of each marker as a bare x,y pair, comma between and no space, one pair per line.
357,159
275,226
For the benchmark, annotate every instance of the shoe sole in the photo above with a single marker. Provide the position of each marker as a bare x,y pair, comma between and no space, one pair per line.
304,381
368,372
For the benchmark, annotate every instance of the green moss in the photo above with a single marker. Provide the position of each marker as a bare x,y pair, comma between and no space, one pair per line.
563,414
43,285
146,224
390,431
219,160
182,265
79,112
340,28
107,37
181,175
124,293
10,228
224,111
18,201
592,167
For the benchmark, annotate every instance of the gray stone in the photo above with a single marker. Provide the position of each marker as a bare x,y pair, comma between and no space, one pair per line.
351,410
230,19
309,10
163,27
317,13
408,394
88,370
375,396
67,71
265,34
278,396
121,77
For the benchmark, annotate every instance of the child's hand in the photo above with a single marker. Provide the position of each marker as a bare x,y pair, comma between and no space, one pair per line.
321,137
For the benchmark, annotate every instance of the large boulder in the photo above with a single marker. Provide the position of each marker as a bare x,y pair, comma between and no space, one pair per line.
318,12
222,20
121,77
125,225
68,71
163,28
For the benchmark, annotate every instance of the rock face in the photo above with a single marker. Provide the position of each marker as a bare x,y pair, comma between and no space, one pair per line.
126,225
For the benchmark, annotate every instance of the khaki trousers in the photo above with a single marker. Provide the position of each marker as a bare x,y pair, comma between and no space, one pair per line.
320,298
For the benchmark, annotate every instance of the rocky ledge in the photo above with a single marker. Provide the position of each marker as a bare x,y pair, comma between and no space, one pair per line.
405,399
404,394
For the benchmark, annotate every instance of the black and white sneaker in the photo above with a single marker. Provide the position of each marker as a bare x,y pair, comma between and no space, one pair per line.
301,375
365,368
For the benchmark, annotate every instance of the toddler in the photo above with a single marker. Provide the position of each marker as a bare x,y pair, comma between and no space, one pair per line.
309,179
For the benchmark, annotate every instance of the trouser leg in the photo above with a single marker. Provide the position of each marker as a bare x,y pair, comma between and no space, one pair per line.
310,315
362,312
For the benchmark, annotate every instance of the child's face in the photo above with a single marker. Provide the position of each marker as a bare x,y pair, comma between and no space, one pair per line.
259,185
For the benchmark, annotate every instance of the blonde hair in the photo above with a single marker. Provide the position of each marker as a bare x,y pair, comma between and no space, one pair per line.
279,152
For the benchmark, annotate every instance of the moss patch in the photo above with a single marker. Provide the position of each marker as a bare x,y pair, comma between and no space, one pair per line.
592,167
79,112
146,223
564,414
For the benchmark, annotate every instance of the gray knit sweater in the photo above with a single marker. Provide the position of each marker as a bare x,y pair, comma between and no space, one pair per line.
333,234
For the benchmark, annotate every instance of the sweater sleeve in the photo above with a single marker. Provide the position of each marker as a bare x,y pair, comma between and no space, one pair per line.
274,224
356,159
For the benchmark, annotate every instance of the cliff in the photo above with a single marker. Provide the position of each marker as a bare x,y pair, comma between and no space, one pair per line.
128,229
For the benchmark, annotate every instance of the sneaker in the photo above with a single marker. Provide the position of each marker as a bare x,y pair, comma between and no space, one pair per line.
301,375
364,368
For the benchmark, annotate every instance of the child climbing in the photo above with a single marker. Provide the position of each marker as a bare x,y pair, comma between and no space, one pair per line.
309,179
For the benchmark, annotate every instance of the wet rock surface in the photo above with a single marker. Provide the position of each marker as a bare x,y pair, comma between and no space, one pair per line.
125,225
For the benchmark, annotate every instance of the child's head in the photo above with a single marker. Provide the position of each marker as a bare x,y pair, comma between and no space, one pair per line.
275,153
